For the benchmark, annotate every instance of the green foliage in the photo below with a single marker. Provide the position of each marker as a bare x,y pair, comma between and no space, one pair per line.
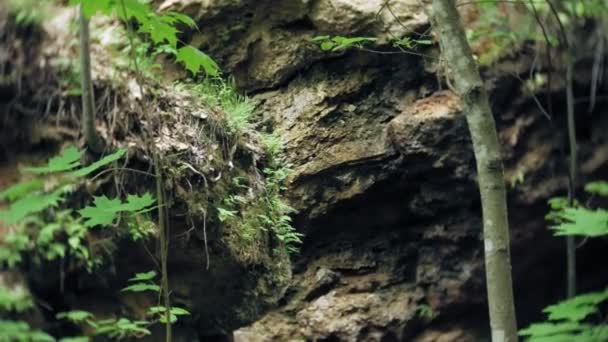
493,34
67,160
577,308
582,222
49,237
32,203
250,218
76,316
162,28
142,282
114,328
339,43
28,13
18,190
410,43
578,220
75,339
572,319
106,210
69,70
425,311
122,327
215,92
85,171
599,188
567,321
159,312
248,215
15,299
194,60
225,214
21,331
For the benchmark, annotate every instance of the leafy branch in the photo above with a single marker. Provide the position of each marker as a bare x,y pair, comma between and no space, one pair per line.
162,28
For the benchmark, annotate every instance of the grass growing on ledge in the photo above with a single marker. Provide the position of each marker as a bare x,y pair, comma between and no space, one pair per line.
253,211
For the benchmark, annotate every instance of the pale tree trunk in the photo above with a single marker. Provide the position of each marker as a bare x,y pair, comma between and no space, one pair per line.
91,138
469,86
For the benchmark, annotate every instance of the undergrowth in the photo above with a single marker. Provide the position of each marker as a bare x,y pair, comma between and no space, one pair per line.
253,210
43,226
578,318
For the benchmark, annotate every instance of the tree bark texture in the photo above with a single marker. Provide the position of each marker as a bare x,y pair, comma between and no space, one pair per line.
91,138
469,86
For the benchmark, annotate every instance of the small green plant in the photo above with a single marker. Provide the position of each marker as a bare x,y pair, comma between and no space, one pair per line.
113,328
142,282
575,319
15,299
578,220
28,13
46,235
123,327
161,28
21,331
216,92
570,320
339,43
425,311
249,218
247,214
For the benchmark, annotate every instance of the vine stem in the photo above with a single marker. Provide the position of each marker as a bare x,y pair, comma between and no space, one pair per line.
160,194
164,245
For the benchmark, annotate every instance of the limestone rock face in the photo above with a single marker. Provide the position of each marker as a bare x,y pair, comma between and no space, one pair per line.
266,42
383,182
384,177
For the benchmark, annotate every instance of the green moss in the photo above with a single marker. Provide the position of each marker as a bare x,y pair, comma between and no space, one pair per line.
248,204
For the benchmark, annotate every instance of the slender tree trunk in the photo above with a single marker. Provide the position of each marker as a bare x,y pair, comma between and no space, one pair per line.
164,245
91,138
570,241
470,87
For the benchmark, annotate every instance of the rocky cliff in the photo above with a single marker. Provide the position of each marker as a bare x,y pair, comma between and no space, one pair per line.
384,178
383,181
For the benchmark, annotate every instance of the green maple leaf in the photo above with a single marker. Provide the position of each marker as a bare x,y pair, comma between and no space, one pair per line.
598,188
141,287
105,210
194,59
582,221
75,316
173,18
102,213
160,32
137,203
32,203
100,163
20,189
540,330
69,159
578,308
91,7
145,276
135,9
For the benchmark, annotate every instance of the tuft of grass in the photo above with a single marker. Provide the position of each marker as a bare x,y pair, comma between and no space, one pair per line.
28,13
216,92
251,214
